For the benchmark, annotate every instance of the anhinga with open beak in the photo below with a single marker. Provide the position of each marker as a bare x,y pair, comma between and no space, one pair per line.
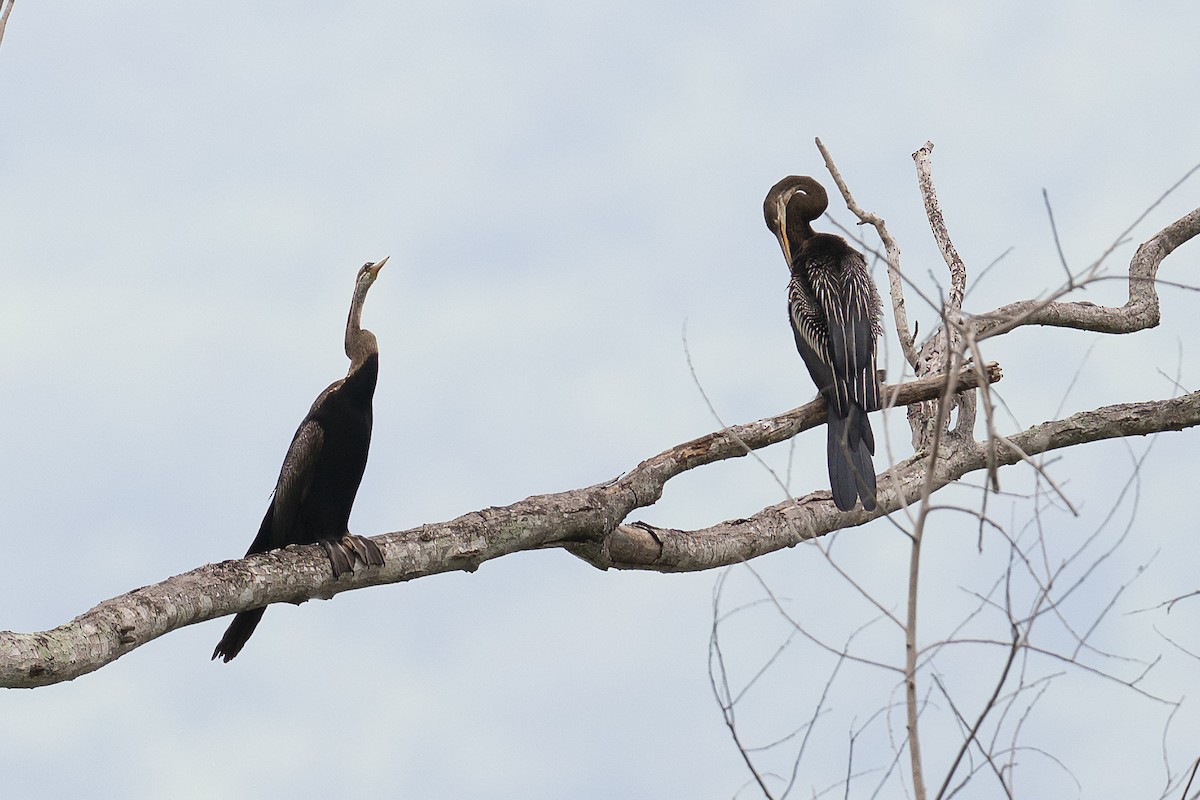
323,467
835,314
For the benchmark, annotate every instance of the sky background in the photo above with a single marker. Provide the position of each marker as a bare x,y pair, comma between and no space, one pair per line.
186,193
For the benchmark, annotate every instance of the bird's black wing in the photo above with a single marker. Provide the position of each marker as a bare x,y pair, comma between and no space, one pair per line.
277,526
295,479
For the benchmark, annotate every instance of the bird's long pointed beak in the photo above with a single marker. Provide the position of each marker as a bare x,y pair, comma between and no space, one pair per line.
378,266
781,234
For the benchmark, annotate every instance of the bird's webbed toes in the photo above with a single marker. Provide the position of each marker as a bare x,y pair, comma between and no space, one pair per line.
341,559
348,549
374,557
364,549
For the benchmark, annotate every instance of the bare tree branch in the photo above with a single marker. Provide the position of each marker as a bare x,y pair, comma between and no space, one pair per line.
584,520
786,524
1140,312
1062,258
942,352
937,223
7,9
895,277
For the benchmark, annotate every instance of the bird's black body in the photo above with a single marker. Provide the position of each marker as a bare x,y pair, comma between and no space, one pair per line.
322,470
834,309
335,436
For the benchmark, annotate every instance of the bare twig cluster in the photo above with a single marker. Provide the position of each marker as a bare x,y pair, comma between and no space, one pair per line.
955,347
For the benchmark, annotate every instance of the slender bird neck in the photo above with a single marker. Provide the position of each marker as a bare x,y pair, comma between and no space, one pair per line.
360,343
801,229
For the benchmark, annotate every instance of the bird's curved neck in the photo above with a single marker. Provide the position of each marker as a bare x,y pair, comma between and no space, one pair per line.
807,205
799,229
360,343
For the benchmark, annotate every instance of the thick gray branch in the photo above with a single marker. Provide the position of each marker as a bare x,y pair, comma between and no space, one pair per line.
583,519
1140,312
642,546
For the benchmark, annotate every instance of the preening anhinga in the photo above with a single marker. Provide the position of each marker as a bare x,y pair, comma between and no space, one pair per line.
835,310
323,467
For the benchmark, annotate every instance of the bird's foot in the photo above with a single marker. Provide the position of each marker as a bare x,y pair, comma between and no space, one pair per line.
365,549
345,551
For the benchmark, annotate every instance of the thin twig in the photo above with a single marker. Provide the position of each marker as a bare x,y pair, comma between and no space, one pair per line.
1121,237
4,16
987,707
895,276
1057,242
914,569
687,354
723,694
983,272
1191,777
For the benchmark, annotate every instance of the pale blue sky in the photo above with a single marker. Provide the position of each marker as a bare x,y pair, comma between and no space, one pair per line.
186,192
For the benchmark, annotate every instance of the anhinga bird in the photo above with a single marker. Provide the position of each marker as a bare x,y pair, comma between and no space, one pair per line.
322,469
835,310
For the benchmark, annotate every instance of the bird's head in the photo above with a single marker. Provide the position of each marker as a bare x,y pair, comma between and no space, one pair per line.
799,196
368,273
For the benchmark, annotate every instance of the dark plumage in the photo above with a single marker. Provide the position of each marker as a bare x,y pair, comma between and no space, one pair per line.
323,468
834,309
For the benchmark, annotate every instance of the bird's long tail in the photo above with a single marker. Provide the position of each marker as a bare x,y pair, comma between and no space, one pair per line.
851,473
238,633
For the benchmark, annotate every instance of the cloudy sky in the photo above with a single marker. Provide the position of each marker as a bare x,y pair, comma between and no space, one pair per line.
186,192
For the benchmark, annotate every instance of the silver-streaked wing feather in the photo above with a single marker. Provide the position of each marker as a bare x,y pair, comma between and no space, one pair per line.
805,319
850,306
